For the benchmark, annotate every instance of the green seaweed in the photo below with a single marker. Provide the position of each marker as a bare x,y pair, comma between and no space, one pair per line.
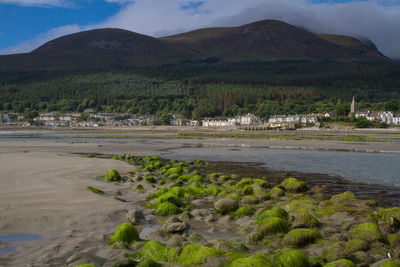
301,237
125,233
356,244
366,231
293,185
243,211
341,263
94,190
274,225
196,254
252,261
112,176
291,258
274,212
166,209
276,192
157,251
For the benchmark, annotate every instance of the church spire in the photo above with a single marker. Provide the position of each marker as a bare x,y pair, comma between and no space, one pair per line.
353,106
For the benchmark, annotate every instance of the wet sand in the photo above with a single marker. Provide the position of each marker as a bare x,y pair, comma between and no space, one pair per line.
44,193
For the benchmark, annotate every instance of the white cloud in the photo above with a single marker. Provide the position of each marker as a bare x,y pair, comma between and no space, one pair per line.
370,19
44,3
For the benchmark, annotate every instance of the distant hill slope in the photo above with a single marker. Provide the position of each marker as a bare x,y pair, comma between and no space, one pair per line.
100,48
267,40
272,40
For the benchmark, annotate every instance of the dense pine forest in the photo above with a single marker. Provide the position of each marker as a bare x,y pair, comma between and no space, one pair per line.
207,90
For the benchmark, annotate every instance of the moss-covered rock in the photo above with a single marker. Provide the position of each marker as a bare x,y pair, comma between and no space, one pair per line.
249,200
291,258
261,183
166,209
112,176
274,212
243,211
356,244
276,192
157,251
226,205
261,195
366,231
169,197
306,219
344,197
335,251
301,237
390,263
125,233
148,263
177,191
274,225
293,185
85,265
341,263
161,191
254,237
253,261
195,254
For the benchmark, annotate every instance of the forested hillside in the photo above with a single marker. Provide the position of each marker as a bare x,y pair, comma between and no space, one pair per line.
202,90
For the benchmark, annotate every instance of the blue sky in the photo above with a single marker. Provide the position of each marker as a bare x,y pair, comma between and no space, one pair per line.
26,24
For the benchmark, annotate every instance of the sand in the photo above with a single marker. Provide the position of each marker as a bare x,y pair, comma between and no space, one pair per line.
44,193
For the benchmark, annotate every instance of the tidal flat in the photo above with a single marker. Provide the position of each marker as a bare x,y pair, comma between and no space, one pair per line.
44,191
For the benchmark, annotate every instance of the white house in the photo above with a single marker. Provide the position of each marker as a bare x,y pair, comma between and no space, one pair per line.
396,118
387,116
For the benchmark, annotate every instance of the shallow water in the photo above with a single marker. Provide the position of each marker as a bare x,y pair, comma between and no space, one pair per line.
13,238
375,168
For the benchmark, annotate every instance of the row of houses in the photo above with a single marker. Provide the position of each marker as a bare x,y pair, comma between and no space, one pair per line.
383,116
292,121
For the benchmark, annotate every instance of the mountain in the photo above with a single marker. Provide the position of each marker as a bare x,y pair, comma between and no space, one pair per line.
272,40
100,48
267,40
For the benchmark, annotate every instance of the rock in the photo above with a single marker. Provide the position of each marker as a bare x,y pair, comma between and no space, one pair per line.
338,237
361,257
224,220
176,241
135,216
84,258
195,238
171,228
382,262
328,231
198,202
200,212
211,218
226,205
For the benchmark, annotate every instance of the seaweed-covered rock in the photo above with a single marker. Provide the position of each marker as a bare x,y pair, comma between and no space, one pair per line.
291,258
261,195
386,263
301,237
274,225
344,197
249,200
261,183
356,244
335,251
293,185
174,171
274,212
85,265
169,197
125,233
276,192
195,254
148,263
135,216
305,219
361,257
112,176
253,261
366,231
243,211
341,263
254,237
157,251
226,205
166,209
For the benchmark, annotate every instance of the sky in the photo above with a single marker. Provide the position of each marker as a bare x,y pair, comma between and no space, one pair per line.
27,24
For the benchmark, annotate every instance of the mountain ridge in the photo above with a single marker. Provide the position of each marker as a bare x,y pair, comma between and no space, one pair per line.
267,40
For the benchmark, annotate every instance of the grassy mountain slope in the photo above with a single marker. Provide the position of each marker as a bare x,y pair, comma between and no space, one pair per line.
98,49
272,40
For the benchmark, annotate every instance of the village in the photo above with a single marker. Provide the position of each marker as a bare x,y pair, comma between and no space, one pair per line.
89,118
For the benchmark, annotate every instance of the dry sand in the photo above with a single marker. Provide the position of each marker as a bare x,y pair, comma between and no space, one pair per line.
44,193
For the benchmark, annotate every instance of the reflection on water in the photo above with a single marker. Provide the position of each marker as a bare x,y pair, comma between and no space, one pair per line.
377,168
7,250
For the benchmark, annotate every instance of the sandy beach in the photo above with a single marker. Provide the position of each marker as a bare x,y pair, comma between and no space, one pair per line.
44,193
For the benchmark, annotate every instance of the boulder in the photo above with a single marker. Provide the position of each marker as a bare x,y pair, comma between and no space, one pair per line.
135,216
226,205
